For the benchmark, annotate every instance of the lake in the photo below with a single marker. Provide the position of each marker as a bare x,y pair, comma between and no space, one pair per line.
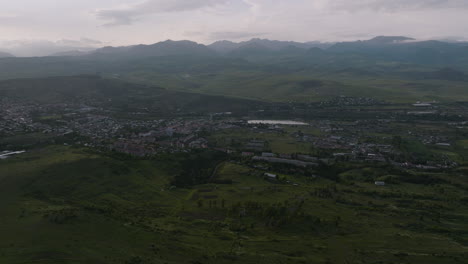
278,122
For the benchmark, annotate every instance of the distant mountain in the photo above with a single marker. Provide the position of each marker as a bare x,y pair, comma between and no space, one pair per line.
225,47
5,55
371,43
293,50
166,48
71,53
403,49
250,49
278,45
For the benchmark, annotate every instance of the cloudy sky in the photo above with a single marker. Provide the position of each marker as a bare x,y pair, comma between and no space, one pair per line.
39,27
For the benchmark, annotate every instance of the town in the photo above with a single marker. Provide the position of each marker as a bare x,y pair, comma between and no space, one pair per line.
321,139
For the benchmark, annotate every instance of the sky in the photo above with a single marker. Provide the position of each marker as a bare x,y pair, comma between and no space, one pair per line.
42,27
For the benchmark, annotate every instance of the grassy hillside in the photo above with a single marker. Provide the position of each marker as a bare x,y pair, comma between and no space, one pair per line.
118,95
69,205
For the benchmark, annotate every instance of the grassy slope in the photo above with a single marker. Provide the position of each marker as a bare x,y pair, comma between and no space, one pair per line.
65,205
290,87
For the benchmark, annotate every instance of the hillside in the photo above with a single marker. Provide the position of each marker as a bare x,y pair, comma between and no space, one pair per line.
87,207
70,53
115,94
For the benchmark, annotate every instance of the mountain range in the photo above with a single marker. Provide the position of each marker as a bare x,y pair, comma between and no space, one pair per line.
386,48
225,47
272,70
391,45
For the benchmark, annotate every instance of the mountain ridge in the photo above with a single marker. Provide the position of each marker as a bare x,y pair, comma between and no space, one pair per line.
165,48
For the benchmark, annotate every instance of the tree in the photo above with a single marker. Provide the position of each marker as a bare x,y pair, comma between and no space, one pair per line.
200,203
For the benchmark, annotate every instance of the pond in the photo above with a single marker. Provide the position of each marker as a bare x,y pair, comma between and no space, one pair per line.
278,122
6,154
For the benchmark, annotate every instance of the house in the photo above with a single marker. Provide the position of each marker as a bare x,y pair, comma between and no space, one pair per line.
268,155
380,183
271,176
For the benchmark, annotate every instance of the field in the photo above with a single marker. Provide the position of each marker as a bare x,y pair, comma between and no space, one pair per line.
73,205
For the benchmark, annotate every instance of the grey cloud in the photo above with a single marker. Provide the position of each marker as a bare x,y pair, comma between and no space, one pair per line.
396,5
8,18
129,14
234,35
83,42
194,33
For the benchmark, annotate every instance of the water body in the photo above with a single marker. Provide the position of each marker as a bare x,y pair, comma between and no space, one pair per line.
6,154
278,122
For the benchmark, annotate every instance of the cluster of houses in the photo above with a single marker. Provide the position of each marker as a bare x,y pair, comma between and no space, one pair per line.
15,118
98,128
358,141
170,136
